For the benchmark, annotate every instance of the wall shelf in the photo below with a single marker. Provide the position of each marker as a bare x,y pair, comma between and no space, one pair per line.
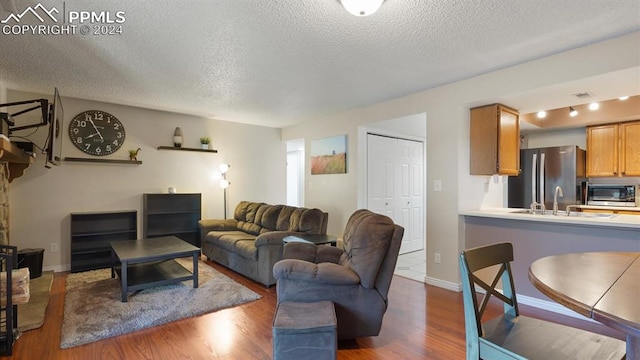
186,149
104,161
18,160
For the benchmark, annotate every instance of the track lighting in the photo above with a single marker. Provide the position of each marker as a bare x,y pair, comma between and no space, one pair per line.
542,114
594,106
572,112
623,98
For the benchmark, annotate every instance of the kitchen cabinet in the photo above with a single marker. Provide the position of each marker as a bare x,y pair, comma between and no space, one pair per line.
494,140
613,150
630,148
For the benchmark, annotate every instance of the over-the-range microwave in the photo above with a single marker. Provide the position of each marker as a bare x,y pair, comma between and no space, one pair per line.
613,195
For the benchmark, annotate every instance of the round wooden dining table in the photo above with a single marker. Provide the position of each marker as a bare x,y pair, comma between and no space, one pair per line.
603,286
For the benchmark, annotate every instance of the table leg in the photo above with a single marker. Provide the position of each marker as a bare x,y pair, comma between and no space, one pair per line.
195,269
123,278
113,263
633,348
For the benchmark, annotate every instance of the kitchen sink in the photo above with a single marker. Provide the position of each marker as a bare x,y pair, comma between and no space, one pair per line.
572,214
522,211
527,211
592,215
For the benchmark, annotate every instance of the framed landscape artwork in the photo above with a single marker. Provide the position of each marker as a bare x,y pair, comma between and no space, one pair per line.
329,155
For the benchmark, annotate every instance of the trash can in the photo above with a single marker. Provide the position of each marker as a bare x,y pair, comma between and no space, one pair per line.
31,258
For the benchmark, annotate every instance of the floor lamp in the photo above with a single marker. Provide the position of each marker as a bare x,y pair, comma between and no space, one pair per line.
224,184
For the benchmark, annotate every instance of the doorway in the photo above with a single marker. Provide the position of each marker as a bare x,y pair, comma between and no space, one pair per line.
410,265
295,173
395,184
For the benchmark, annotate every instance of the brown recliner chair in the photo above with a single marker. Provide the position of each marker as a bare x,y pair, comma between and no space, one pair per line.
357,279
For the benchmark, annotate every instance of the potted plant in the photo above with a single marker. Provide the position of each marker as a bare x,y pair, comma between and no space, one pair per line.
204,142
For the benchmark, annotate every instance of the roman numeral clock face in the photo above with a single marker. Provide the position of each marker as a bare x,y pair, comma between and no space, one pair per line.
96,132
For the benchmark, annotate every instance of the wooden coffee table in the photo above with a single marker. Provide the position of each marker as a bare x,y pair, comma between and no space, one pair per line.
146,263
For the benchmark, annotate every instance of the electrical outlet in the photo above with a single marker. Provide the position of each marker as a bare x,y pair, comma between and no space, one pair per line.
437,258
55,247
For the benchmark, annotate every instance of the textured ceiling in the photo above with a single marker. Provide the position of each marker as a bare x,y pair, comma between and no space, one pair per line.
281,62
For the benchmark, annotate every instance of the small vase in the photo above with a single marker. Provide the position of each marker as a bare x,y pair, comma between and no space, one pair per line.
177,138
204,146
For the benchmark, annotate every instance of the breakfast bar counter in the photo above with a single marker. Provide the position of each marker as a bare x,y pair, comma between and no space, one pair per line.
618,221
537,236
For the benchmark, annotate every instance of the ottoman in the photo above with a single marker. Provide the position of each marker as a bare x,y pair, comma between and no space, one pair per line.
305,331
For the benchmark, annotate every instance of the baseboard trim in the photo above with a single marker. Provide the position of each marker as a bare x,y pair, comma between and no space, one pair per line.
443,284
550,306
58,268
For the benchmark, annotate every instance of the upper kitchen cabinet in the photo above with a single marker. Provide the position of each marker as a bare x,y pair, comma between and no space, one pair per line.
494,141
630,148
613,150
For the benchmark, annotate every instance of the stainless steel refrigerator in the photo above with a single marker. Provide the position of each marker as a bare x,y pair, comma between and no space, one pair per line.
545,168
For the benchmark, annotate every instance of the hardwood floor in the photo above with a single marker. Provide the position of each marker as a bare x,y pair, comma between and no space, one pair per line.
422,322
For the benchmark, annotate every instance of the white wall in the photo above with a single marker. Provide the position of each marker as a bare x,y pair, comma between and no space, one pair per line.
576,136
447,108
41,200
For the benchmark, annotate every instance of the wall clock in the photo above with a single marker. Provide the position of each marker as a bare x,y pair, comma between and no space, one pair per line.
96,132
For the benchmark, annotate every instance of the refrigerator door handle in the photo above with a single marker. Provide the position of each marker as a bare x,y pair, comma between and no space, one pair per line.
534,164
542,199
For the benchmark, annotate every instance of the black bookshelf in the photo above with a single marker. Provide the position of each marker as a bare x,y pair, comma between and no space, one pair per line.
172,214
91,233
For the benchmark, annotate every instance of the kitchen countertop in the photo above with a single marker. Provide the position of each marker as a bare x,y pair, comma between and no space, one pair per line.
614,208
618,221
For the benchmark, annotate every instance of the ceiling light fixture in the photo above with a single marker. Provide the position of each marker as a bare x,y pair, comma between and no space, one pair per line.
361,7
542,114
623,98
594,106
572,112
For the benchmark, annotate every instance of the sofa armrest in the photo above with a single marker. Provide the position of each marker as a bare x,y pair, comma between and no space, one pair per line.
323,273
218,224
272,238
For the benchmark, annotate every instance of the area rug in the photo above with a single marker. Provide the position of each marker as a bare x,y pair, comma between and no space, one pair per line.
31,314
93,310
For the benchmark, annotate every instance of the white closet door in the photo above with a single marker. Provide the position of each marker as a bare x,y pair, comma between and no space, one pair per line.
411,197
394,183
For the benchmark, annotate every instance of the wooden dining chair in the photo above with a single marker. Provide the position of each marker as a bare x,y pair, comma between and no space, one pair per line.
512,336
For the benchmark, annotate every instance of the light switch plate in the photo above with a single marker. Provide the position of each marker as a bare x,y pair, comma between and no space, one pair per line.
437,185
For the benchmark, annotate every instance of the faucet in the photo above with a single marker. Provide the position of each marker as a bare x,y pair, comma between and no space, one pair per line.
572,207
537,208
555,199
